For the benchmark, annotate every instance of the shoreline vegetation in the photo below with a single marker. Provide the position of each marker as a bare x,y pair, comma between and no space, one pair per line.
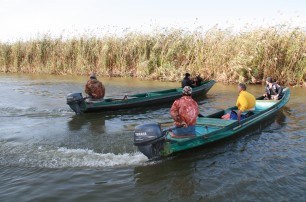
167,55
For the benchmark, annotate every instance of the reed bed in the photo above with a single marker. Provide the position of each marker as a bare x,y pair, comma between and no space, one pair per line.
166,55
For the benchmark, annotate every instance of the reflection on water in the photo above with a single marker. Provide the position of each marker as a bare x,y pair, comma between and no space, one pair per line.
166,181
280,118
96,124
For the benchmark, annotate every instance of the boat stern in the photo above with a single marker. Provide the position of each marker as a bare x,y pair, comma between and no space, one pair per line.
149,139
76,102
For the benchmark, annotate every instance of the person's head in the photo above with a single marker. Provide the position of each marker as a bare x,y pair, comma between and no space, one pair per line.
93,76
187,75
241,87
269,80
187,90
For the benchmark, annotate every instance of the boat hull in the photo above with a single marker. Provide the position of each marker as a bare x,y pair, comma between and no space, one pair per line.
212,128
138,100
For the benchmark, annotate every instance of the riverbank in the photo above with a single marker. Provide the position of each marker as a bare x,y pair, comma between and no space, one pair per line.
166,55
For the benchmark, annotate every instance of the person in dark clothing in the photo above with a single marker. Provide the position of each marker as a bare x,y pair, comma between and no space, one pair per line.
198,80
273,91
187,81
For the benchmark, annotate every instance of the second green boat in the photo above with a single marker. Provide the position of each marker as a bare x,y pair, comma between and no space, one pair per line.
80,105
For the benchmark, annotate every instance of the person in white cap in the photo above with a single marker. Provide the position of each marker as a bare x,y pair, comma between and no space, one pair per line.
184,112
94,88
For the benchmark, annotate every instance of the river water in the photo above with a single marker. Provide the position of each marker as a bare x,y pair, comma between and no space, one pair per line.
47,153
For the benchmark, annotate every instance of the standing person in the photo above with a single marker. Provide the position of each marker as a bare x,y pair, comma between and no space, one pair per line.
187,81
273,91
94,88
184,112
246,101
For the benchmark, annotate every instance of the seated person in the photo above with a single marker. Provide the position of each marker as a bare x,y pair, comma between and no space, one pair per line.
187,81
273,91
245,102
184,112
94,88
198,80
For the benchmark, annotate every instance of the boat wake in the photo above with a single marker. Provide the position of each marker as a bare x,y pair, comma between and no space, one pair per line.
33,112
61,157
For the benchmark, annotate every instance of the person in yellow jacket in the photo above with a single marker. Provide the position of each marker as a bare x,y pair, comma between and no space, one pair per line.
246,101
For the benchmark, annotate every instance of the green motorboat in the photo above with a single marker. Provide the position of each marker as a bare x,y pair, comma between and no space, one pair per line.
155,142
80,104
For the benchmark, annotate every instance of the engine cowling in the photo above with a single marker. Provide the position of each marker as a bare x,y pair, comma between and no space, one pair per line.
75,101
147,134
149,139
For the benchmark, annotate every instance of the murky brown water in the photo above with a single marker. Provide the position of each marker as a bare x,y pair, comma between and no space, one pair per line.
49,154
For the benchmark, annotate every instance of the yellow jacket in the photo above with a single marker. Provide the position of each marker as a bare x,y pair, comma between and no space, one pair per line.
245,101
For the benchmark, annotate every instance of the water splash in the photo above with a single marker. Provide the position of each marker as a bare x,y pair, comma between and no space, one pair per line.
61,157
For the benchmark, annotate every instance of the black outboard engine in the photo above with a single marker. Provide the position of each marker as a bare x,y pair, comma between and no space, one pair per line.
76,101
149,139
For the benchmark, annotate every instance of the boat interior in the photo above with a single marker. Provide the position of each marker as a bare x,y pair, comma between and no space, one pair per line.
156,93
140,95
213,122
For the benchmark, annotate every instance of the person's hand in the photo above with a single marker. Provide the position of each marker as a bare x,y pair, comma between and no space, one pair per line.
184,124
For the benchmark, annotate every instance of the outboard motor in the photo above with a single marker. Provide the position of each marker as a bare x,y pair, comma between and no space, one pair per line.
149,139
75,101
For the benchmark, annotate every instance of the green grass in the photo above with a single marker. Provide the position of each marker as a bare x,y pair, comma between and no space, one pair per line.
217,54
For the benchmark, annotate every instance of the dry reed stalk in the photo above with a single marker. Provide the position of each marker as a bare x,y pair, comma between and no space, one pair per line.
166,55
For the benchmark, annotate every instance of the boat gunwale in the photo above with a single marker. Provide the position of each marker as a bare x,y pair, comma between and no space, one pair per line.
93,106
235,125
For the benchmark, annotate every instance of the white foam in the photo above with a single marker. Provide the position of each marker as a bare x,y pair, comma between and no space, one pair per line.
89,158
61,157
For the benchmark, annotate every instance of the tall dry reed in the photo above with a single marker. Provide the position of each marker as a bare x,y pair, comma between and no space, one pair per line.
166,55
